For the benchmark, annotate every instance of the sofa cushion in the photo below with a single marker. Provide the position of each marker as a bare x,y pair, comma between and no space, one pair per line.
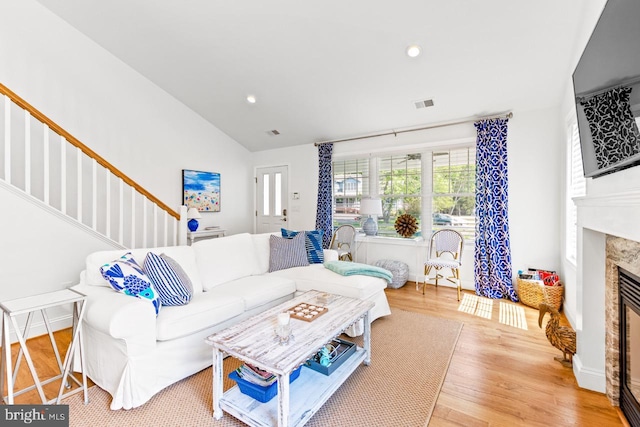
183,255
312,243
169,279
257,290
287,253
224,259
204,310
262,247
125,275
319,278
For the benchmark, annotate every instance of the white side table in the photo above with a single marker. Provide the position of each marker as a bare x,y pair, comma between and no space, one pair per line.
29,305
205,234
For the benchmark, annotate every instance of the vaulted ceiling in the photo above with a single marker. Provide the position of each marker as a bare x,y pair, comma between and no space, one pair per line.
332,69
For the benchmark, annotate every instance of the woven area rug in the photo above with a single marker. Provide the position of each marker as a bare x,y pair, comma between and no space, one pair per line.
410,357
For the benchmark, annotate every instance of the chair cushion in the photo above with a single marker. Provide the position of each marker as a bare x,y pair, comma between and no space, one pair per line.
441,262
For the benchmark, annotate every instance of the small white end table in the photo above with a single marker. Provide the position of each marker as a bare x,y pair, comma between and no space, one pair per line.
29,305
205,234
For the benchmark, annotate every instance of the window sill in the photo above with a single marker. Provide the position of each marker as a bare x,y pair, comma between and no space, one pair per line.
386,240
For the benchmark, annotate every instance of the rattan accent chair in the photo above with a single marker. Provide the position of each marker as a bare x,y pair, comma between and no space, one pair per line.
344,241
445,252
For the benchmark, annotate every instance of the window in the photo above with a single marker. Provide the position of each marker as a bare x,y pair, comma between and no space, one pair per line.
350,182
454,186
441,182
400,188
576,187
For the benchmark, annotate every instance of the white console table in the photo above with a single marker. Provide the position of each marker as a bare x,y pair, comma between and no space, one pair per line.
192,236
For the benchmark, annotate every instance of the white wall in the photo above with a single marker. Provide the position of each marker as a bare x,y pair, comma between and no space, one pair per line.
302,162
139,128
535,183
29,263
125,118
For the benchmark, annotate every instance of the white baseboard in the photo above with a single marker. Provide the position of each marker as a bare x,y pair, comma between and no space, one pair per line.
588,378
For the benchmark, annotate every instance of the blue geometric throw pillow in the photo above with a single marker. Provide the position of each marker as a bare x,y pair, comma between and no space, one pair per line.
126,276
173,287
312,244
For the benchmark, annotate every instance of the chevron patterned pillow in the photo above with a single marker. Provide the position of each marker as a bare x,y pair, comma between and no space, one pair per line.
312,243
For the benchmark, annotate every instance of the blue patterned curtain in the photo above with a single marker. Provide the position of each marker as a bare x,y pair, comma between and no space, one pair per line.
324,215
492,265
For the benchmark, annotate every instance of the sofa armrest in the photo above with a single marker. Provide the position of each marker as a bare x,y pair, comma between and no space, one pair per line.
118,315
330,255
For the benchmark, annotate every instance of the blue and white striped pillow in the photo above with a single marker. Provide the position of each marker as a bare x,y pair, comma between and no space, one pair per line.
169,279
287,253
312,243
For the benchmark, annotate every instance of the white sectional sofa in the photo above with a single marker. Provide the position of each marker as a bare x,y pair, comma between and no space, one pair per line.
133,354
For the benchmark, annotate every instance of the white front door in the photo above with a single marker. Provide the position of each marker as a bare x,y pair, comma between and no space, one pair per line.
271,198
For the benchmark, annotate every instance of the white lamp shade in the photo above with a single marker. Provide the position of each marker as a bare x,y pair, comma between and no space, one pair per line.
193,213
371,206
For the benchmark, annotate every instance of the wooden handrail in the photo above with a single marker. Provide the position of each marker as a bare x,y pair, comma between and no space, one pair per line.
86,150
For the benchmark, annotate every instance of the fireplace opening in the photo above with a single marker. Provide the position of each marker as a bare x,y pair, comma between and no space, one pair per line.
629,291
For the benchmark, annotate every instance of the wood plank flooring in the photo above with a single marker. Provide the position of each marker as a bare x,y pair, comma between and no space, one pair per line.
500,375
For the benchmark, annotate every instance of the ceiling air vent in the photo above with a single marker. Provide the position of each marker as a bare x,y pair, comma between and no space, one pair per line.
273,132
423,103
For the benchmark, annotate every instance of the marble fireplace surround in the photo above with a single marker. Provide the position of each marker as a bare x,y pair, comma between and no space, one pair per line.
608,237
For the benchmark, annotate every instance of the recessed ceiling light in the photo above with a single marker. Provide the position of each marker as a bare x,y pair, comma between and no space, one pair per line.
413,51
251,99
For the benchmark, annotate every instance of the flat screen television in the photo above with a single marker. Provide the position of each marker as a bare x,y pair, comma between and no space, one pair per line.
608,69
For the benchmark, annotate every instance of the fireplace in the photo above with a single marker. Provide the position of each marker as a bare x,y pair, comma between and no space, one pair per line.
608,240
629,318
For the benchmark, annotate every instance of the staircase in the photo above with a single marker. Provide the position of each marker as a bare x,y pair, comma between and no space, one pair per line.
51,167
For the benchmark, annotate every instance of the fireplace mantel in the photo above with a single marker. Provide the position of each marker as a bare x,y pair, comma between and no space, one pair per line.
617,214
599,216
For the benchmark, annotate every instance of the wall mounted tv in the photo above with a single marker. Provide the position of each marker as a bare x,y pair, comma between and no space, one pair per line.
606,83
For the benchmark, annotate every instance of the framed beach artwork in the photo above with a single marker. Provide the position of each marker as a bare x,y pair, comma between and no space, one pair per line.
201,190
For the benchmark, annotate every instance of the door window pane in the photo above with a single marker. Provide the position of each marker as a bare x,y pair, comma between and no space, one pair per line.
265,193
278,194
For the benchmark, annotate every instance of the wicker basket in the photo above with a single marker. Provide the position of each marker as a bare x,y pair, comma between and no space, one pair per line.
533,292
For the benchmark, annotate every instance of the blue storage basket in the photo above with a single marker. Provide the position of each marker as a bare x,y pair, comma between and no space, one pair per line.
261,394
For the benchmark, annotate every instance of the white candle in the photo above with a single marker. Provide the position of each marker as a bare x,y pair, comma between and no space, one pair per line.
283,319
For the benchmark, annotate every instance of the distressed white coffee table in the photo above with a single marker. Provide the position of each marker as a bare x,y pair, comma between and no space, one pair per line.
253,341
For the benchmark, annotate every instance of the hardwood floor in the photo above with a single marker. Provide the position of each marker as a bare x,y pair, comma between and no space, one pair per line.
499,375
46,366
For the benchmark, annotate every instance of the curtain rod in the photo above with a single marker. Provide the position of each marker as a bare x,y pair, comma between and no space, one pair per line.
508,115
629,82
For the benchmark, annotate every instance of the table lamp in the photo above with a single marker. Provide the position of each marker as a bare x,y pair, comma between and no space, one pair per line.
370,206
192,215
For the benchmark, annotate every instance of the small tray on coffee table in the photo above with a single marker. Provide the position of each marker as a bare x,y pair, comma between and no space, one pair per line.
306,311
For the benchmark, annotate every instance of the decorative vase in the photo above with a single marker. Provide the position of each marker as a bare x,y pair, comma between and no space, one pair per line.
370,227
192,224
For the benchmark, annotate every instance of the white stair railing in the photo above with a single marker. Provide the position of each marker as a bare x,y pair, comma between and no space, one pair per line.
49,164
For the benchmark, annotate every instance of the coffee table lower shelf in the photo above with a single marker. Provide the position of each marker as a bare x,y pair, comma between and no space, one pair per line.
308,393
